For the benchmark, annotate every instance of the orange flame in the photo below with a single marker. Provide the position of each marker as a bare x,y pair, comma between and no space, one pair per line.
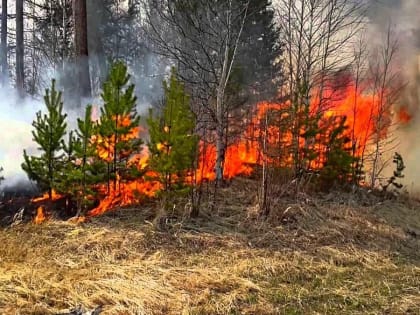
40,216
126,193
106,145
54,196
242,156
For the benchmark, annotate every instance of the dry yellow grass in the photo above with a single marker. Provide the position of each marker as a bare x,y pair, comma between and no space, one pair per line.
334,259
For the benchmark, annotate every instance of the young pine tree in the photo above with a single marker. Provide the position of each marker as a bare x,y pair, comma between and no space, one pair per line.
49,131
172,145
339,161
83,168
119,122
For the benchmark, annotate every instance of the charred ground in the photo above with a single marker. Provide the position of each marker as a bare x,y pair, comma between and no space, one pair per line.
336,253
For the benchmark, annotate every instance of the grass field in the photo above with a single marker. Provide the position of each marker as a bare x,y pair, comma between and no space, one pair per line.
326,255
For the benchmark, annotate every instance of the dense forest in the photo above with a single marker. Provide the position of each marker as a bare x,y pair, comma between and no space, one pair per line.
182,105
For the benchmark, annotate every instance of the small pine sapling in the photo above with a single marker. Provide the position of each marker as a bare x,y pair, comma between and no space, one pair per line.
339,161
173,145
83,169
50,128
119,124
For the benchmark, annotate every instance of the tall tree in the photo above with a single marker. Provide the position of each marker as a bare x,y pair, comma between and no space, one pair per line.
81,47
260,51
116,31
54,30
20,70
52,46
203,38
3,58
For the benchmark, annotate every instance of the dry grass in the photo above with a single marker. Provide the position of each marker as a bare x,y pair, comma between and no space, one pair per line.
330,258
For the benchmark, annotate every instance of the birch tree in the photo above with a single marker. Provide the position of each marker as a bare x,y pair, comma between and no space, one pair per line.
202,38
3,59
386,87
318,34
20,71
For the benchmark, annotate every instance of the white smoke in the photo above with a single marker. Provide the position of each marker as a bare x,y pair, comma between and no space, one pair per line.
16,116
403,15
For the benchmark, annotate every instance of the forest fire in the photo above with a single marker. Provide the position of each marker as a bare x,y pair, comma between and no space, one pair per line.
274,134
242,156
106,145
126,193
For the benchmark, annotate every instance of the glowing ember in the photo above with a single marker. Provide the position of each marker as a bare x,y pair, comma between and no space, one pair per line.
40,216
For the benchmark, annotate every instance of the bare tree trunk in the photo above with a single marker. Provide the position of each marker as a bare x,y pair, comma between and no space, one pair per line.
33,82
263,200
98,65
81,48
220,134
64,51
228,62
20,73
4,66
387,88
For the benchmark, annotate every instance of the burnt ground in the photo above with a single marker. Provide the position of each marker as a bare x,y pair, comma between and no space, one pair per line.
17,208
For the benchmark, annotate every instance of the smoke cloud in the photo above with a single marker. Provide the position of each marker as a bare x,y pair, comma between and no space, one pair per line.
16,116
402,16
